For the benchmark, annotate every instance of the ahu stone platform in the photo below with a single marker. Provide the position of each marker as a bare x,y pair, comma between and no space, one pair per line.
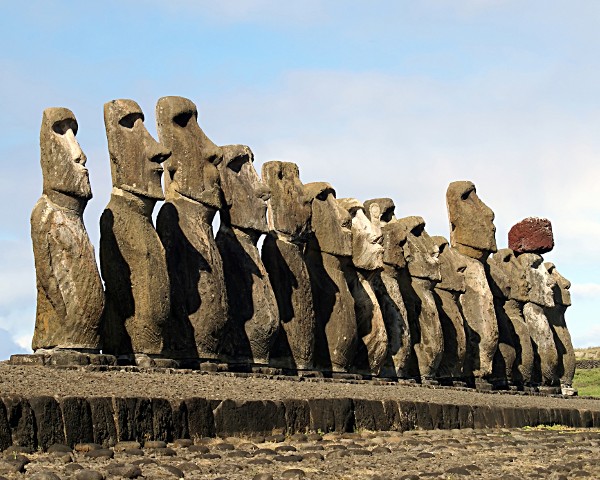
44,406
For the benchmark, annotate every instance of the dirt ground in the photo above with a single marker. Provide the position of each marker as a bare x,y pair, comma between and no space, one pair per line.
39,380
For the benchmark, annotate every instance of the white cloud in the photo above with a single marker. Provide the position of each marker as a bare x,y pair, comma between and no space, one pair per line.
586,291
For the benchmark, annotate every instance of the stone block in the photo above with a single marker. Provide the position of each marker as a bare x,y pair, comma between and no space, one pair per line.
5,433
408,415
134,418
103,420
162,420
257,417
77,417
49,424
200,419
21,421
466,416
451,417
180,419
27,359
331,415
297,416
370,415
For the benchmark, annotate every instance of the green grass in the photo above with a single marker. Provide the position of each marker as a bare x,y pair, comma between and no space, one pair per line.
587,382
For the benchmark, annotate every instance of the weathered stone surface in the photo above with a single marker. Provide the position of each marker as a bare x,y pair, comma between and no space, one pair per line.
253,314
162,420
328,256
556,319
132,258
184,224
386,287
531,235
21,421
283,256
70,296
331,415
540,297
480,319
446,295
200,419
253,416
509,288
5,430
472,230
103,420
49,426
77,417
416,284
133,418
367,260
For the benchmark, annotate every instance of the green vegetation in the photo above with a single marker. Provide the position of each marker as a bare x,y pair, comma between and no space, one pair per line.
587,382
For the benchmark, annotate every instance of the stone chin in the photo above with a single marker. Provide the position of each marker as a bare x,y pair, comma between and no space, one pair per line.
152,192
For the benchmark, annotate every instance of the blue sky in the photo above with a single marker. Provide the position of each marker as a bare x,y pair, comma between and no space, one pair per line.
380,98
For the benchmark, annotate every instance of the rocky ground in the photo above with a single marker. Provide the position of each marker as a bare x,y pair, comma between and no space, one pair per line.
453,454
36,380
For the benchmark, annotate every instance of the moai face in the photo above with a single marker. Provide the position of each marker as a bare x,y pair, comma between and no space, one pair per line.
367,239
386,209
330,223
508,279
420,251
289,208
135,156
538,278
245,195
192,168
452,266
472,230
394,238
63,162
562,296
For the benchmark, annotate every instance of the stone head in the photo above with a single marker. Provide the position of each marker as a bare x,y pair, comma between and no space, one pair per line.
62,160
472,230
452,266
367,239
508,279
386,209
330,223
539,281
289,208
394,240
421,253
135,156
562,295
191,170
244,193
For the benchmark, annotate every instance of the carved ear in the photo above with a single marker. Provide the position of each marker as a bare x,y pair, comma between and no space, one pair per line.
375,215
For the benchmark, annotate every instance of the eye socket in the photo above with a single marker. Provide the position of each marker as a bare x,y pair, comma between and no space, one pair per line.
323,195
183,119
128,121
237,163
63,126
465,195
387,215
418,230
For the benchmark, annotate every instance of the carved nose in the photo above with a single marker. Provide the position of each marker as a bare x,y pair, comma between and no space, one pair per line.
264,193
156,152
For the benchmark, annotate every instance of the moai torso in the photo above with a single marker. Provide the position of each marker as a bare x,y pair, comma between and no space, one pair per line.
562,337
367,261
507,282
417,283
447,297
386,287
472,233
540,297
132,258
253,315
328,256
184,224
70,297
283,256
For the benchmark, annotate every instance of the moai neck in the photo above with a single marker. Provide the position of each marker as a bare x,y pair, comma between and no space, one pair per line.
76,205
198,209
136,203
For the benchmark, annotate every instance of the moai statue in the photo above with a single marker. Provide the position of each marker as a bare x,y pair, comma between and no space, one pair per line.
386,287
510,290
70,297
447,297
184,224
283,256
132,258
253,314
367,261
562,337
416,284
472,233
328,256
540,299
